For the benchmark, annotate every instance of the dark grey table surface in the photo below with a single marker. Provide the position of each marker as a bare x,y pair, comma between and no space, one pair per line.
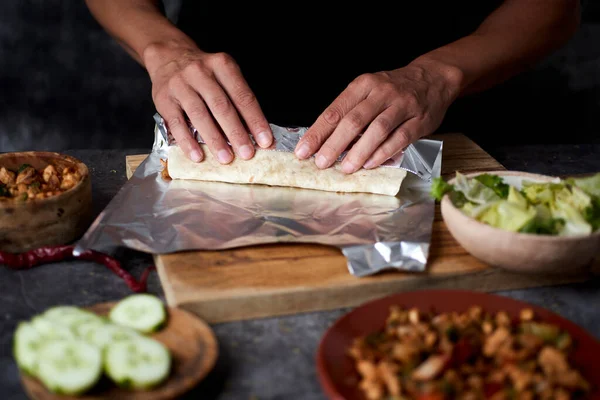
263,358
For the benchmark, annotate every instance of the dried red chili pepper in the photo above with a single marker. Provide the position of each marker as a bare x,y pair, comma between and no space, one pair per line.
44,255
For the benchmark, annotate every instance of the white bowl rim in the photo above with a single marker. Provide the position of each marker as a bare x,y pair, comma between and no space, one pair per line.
527,236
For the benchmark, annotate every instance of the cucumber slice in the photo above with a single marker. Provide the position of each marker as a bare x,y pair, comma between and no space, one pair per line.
62,311
70,316
108,333
137,364
49,329
69,366
85,329
142,312
26,342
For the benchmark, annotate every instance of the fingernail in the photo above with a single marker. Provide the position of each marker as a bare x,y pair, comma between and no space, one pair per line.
263,139
348,167
195,156
303,151
369,164
224,156
321,161
246,152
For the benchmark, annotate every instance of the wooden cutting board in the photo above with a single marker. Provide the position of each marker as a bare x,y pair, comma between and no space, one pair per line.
281,279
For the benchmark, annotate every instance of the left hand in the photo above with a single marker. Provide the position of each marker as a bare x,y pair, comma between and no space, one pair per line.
390,109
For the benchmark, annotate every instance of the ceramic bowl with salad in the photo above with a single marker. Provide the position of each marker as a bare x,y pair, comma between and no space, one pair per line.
523,222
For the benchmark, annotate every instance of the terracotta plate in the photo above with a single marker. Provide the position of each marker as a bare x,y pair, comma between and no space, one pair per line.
335,368
192,344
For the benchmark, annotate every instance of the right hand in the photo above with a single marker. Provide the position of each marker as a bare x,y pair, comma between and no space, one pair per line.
210,89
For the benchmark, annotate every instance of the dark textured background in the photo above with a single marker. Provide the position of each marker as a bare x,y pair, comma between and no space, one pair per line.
64,83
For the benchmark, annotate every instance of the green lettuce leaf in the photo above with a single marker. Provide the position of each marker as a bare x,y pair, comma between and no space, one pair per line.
439,187
458,199
495,183
592,214
540,192
517,198
507,215
590,185
474,190
543,223
475,210
575,223
576,197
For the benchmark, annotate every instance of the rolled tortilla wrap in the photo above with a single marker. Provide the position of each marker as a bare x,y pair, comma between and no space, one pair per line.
276,168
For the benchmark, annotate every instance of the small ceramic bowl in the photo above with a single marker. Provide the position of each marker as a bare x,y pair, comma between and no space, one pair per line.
55,220
519,252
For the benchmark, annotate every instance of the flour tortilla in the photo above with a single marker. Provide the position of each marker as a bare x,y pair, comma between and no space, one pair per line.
276,168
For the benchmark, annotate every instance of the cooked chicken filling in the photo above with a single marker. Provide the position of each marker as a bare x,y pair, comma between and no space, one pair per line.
471,355
28,183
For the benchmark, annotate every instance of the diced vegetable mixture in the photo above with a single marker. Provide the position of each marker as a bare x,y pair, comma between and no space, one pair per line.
469,355
27,183
565,208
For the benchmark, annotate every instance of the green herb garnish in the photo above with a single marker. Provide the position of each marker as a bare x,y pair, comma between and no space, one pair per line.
22,168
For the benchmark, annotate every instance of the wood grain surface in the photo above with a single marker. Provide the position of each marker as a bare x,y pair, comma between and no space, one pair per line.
282,279
194,350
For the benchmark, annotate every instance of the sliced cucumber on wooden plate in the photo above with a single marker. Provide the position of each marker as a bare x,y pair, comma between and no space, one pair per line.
68,348
142,312
25,347
137,364
69,366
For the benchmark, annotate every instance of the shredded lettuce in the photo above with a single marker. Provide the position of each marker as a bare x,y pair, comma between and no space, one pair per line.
569,207
495,183
439,187
474,191
592,215
507,215
540,193
543,223
575,197
516,198
575,223
590,184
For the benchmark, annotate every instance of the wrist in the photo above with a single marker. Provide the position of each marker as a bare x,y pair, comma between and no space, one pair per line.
159,53
453,77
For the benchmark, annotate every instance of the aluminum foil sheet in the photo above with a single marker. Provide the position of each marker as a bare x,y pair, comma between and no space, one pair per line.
374,232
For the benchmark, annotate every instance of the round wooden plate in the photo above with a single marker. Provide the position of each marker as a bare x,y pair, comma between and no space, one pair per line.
193,347
336,370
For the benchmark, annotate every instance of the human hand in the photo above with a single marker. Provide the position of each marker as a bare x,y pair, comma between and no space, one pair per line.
210,89
390,109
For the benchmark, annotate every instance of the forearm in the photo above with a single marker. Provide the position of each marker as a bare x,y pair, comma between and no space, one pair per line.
517,35
138,25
